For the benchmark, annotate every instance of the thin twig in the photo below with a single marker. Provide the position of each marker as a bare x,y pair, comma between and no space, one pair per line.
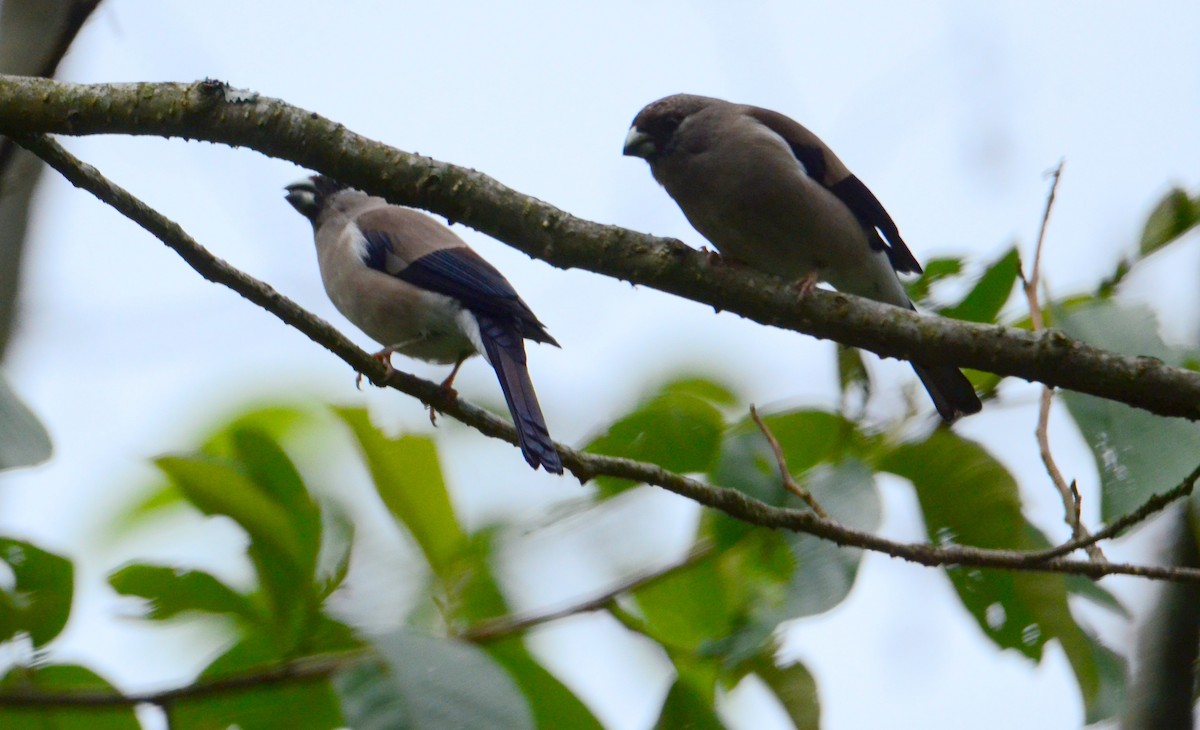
582,465
508,625
1068,492
312,667
1154,504
784,473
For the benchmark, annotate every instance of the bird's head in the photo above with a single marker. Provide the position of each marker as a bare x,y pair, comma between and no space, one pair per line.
310,195
655,130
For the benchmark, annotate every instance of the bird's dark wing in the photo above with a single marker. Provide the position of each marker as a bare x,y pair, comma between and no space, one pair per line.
825,167
459,273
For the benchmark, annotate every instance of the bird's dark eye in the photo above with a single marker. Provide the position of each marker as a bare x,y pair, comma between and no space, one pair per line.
668,125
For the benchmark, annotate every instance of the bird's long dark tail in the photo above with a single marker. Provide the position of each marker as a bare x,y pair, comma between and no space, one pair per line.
506,351
952,394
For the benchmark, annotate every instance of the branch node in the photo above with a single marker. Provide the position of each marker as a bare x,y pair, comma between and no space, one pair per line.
788,482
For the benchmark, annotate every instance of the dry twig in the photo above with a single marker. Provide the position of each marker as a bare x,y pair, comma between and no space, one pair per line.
788,482
1068,492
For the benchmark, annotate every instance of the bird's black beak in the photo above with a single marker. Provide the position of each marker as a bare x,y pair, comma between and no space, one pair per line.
638,144
302,196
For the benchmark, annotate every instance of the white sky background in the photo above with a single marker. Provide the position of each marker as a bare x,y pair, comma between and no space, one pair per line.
950,112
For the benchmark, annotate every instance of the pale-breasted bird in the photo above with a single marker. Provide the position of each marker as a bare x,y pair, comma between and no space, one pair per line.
412,285
768,193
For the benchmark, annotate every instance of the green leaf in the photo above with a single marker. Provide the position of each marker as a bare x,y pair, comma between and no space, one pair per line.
969,498
337,546
852,371
23,438
1088,588
276,421
687,707
308,703
1175,215
984,302
807,437
825,572
1137,453
280,559
688,606
216,488
678,429
475,597
795,688
935,271
1109,699
432,684
61,678
170,592
552,703
821,573
40,601
276,477
409,481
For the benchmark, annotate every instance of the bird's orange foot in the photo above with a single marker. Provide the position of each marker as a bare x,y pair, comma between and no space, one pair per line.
446,391
384,356
807,284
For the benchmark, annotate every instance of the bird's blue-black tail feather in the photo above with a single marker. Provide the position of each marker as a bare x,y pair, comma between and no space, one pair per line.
506,350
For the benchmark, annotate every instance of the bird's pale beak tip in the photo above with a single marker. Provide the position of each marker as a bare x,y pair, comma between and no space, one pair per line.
637,144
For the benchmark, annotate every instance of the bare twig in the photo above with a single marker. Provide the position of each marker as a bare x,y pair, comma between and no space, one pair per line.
213,112
1068,492
582,465
297,670
1156,503
492,629
791,484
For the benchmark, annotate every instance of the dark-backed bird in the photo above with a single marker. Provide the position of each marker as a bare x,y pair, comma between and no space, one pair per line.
768,193
415,287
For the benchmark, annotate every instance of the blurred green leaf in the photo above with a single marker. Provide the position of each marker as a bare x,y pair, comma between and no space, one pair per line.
170,592
432,684
40,601
280,559
678,429
474,596
935,271
276,421
552,703
61,678
795,688
408,479
1109,698
807,437
23,438
298,704
969,498
825,572
984,302
852,373
337,544
217,488
275,476
688,606
687,707
821,573
1174,215
1137,453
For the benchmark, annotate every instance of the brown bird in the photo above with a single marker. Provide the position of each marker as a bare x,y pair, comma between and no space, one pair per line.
412,285
767,192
